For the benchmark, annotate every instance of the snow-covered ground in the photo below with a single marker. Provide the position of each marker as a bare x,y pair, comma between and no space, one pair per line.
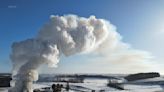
87,87
3,89
101,85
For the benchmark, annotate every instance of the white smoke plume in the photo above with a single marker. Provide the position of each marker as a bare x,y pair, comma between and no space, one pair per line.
62,35
68,35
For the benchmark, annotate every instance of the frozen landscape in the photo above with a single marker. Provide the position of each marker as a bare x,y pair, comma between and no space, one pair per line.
82,46
97,83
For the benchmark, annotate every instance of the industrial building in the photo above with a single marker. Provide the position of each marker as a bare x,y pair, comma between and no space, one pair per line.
5,79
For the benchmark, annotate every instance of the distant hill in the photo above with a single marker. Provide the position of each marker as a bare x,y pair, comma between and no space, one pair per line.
138,76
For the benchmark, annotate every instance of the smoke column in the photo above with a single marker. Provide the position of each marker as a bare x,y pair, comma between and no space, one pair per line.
62,35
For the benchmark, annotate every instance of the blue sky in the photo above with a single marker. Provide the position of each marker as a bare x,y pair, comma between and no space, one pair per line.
140,22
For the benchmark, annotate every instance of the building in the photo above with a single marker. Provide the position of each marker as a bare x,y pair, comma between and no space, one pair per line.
5,80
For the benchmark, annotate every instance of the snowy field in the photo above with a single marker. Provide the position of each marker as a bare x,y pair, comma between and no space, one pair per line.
87,87
100,85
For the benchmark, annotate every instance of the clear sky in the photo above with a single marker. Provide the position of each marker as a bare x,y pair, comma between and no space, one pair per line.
140,23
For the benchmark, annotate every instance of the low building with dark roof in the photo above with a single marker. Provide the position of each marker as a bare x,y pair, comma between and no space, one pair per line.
5,80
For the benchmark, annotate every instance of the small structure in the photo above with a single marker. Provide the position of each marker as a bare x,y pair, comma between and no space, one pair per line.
115,83
5,80
57,87
67,86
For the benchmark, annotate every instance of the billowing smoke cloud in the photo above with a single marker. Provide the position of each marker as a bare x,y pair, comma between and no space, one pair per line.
122,57
68,35
62,35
